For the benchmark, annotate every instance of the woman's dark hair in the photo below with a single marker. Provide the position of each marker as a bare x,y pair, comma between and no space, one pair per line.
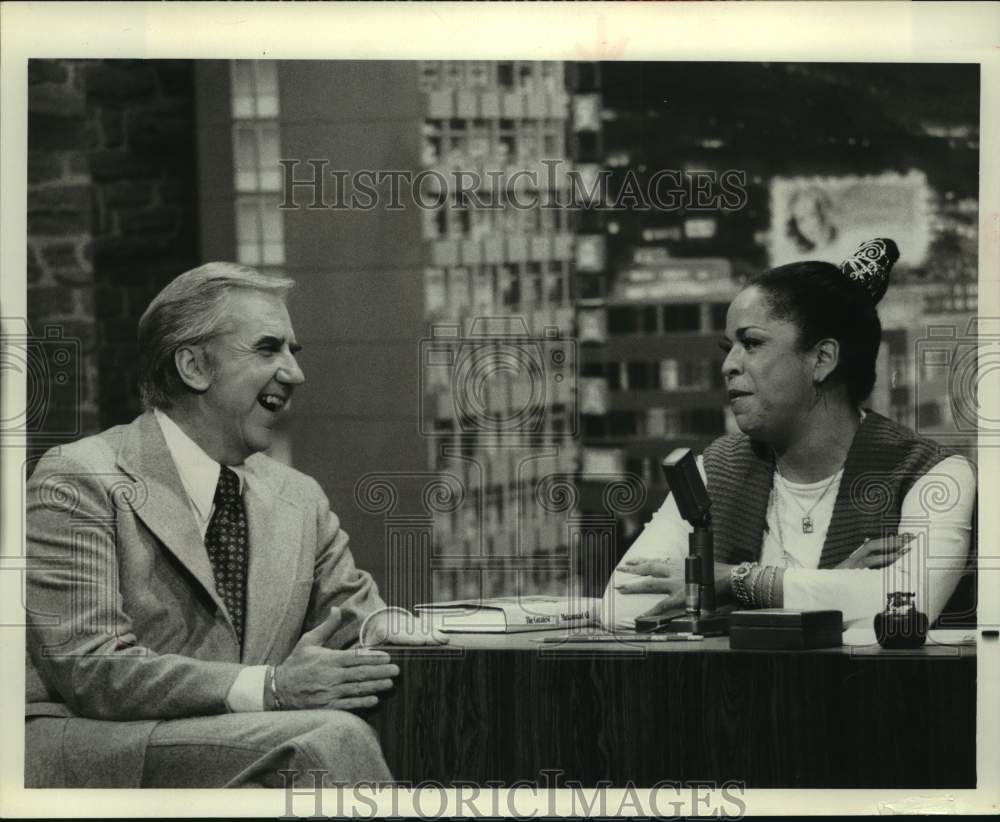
825,301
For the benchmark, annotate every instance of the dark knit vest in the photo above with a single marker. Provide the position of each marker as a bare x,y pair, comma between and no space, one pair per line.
883,463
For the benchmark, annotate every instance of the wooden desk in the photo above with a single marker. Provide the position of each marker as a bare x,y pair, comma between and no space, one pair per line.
509,707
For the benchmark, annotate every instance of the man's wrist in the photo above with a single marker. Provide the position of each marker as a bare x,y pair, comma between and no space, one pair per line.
269,704
272,699
267,699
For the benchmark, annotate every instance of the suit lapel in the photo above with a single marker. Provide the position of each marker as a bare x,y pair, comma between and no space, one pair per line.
275,525
161,502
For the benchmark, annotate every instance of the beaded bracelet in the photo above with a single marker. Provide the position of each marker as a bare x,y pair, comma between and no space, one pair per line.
756,576
759,587
272,676
769,596
739,577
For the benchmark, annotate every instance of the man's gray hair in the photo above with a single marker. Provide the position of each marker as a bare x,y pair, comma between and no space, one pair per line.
190,310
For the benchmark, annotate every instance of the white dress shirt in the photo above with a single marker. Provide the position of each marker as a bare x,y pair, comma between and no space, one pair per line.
930,569
199,475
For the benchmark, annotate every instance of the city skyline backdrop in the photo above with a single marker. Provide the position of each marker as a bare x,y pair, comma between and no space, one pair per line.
547,430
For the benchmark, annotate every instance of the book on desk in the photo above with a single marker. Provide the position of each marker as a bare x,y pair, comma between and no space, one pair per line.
512,614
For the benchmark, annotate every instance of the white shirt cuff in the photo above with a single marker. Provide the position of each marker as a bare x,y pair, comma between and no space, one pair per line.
247,692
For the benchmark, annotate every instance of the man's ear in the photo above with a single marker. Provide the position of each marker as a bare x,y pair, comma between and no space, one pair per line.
194,367
827,354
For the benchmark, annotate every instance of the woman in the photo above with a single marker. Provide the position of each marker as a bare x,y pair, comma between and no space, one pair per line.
818,503
811,223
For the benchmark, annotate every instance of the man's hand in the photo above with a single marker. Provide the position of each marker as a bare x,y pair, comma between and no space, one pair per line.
316,677
396,626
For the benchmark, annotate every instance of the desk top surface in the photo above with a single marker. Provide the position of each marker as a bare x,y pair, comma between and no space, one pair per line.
542,643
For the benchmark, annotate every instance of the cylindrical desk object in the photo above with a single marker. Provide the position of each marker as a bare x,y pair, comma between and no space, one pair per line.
701,547
700,616
692,584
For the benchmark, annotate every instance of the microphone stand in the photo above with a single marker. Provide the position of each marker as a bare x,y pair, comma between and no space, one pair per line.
700,615
693,504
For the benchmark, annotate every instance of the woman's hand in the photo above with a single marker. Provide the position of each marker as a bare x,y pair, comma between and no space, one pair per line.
877,553
655,576
665,576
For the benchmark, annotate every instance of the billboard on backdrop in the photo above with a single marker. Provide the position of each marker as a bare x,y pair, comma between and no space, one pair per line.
826,218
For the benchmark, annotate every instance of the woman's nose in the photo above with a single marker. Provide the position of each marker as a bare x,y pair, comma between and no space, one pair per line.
730,365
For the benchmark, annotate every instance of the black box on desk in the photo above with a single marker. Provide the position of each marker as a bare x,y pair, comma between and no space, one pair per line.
782,629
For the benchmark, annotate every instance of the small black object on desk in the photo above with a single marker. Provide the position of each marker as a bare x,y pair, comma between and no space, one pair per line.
700,615
784,629
901,625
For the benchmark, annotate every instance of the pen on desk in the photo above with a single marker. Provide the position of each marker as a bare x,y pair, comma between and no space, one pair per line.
625,638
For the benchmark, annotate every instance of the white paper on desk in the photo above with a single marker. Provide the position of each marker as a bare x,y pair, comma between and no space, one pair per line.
864,634
511,614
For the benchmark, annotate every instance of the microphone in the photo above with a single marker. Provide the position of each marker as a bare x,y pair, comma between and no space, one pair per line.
685,484
694,504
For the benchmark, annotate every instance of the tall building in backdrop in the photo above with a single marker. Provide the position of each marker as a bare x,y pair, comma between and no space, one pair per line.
441,339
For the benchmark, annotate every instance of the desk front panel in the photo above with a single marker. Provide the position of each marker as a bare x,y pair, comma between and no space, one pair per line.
509,708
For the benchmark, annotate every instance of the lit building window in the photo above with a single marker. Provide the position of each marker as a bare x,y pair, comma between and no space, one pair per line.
255,89
256,153
480,74
656,422
260,235
669,375
430,75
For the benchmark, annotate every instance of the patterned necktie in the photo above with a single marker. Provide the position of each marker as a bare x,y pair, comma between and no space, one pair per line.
226,542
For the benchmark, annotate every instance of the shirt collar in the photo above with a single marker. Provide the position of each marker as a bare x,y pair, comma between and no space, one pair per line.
198,471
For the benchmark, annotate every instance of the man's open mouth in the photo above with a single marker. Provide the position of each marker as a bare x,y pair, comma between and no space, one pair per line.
272,402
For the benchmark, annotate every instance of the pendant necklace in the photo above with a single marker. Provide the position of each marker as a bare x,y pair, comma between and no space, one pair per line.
772,509
807,520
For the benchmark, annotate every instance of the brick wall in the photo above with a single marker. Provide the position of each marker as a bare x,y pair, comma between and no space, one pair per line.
142,162
112,211
60,271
